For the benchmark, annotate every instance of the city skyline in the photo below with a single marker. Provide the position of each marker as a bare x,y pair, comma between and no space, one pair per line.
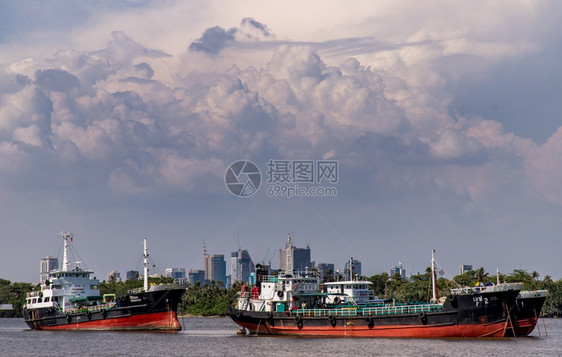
193,274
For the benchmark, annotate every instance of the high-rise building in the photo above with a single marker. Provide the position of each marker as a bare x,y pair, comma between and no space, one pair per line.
464,268
215,268
114,276
294,259
397,270
241,265
355,269
133,275
175,273
47,265
194,276
324,268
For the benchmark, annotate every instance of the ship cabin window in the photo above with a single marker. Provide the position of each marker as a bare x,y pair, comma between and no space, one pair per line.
47,299
29,301
39,300
34,300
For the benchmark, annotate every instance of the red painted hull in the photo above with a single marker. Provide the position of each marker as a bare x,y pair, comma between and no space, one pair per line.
159,321
496,329
523,327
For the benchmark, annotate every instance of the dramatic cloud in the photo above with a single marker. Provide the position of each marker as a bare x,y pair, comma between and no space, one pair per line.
105,109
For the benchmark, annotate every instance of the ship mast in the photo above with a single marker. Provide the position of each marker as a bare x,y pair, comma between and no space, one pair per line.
433,280
145,255
65,261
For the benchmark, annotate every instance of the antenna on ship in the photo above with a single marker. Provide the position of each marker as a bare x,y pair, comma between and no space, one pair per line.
145,256
433,277
65,262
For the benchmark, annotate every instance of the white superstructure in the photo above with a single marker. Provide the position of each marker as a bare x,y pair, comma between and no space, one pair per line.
66,288
350,291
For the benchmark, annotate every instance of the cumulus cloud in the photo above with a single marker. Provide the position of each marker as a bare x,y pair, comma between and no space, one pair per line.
543,166
213,40
108,111
250,29
216,38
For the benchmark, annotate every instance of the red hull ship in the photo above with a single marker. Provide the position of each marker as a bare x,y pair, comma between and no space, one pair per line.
527,311
289,304
70,300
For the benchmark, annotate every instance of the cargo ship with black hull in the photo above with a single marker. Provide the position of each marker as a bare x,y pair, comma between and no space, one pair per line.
70,300
527,312
296,305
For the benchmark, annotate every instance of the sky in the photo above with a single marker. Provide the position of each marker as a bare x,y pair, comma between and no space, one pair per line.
441,123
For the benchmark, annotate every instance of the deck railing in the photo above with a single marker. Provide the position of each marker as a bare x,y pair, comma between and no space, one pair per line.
326,312
401,309
370,311
94,308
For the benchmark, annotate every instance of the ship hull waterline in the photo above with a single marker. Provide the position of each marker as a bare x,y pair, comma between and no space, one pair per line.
159,321
359,327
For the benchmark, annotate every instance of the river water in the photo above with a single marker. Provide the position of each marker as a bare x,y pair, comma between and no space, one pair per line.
217,337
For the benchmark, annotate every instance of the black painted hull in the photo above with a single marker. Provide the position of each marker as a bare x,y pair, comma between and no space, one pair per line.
153,310
476,315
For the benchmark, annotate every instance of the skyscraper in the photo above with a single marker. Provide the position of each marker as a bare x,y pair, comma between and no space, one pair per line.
194,276
133,274
114,276
215,268
47,265
294,259
241,265
175,273
464,268
324,268
356,268
397,270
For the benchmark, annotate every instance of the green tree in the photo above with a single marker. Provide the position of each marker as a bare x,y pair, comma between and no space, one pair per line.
15,294
380,282
208,300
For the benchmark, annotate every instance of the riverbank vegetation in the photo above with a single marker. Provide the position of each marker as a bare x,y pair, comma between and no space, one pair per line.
13,294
